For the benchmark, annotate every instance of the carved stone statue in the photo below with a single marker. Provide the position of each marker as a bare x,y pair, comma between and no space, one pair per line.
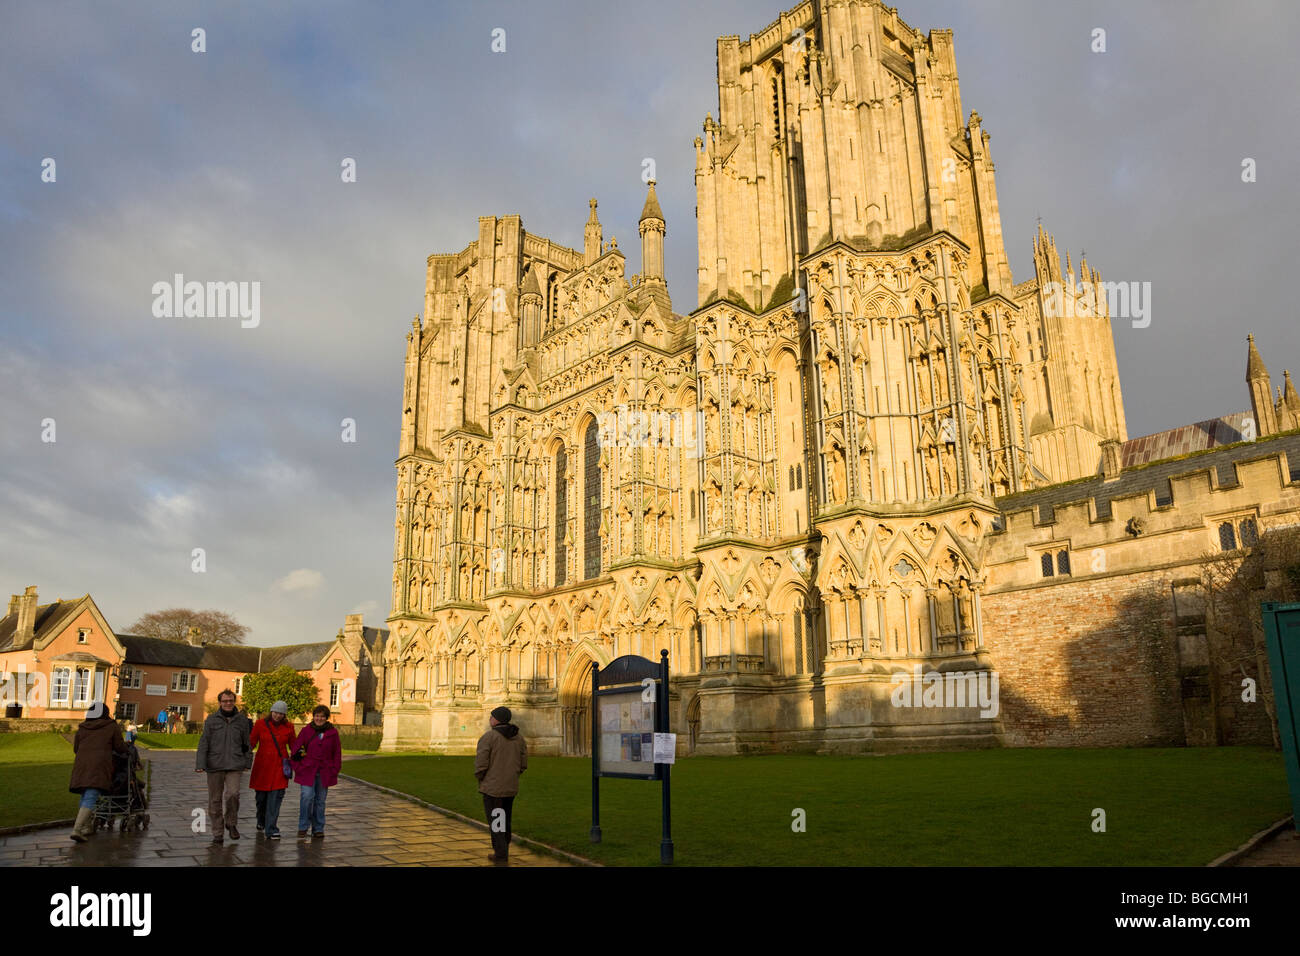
831,386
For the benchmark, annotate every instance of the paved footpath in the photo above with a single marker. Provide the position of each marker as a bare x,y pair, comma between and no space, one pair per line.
1281,849
363,827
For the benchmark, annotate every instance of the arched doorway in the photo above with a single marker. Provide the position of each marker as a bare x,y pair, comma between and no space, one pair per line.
575,707
693,722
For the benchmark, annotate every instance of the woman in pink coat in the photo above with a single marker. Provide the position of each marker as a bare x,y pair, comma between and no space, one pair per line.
317,757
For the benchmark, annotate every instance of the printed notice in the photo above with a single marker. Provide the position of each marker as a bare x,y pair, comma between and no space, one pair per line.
665,748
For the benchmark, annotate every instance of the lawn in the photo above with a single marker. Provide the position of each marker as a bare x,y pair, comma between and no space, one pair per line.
352,744
34,773
1019,807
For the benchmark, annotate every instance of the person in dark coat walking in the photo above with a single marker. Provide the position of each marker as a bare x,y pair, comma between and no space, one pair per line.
272,739
224,754
98,736
500,758
317,756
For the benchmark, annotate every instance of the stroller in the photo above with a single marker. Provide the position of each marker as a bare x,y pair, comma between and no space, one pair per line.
127,803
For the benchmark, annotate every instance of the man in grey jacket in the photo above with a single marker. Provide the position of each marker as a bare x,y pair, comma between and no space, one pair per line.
224,754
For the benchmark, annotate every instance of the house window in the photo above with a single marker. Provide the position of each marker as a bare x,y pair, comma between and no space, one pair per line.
1237,533
62,678
81,686
338,666
184,682
129,678
1047,564
126,710
1063,562
334,693
182,711
83,634
239,686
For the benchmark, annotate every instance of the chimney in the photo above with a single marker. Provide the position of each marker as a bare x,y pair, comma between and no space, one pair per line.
194,638
25,606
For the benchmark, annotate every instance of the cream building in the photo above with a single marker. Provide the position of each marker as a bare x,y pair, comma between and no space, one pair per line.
793,487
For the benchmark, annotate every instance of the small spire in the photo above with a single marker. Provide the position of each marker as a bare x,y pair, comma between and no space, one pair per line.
1289,397
1254,364
651,209
592,217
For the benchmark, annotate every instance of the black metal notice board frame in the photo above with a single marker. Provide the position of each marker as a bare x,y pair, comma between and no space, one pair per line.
627,676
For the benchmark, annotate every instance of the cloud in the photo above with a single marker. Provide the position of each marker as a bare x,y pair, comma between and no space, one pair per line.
301,579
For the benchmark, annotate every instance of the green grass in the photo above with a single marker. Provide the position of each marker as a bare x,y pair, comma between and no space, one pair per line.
352,744
1020,807
34,773
168,741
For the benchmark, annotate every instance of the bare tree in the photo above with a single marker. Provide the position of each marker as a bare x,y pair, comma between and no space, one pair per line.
173,624
1236,583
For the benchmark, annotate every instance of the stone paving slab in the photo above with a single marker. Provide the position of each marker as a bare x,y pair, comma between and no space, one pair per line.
1281,849
363,827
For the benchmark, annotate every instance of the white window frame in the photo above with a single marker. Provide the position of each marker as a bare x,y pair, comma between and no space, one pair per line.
129,678
335,691
183,710
338,666
55,696
127,709
84,694
184,682
83,634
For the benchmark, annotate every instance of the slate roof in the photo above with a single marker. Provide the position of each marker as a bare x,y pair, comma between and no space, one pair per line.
164,653
1153,477
49,617
301,657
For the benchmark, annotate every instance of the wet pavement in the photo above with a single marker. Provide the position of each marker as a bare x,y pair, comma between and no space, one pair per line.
363,827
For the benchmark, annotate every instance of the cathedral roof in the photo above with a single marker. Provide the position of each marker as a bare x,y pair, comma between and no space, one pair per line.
1185,439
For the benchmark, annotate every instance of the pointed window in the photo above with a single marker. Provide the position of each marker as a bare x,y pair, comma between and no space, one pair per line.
561,514
591,504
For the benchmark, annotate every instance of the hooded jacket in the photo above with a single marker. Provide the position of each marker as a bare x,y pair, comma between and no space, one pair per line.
500,758
96,739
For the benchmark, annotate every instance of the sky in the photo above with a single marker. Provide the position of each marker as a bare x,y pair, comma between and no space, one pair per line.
173,434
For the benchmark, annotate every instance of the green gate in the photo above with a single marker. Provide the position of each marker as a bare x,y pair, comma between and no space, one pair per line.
1282,630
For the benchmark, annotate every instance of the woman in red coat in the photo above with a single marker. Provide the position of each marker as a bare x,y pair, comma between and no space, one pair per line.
317,757
271,739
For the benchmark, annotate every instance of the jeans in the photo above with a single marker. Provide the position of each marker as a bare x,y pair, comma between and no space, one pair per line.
311,806
88,798
268,810
499,825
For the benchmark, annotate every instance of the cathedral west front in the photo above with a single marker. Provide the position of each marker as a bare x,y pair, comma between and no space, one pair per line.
813,477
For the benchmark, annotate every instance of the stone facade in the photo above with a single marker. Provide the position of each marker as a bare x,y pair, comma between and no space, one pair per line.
797,489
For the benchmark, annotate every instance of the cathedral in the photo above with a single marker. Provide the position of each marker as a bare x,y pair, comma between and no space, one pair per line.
843,462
